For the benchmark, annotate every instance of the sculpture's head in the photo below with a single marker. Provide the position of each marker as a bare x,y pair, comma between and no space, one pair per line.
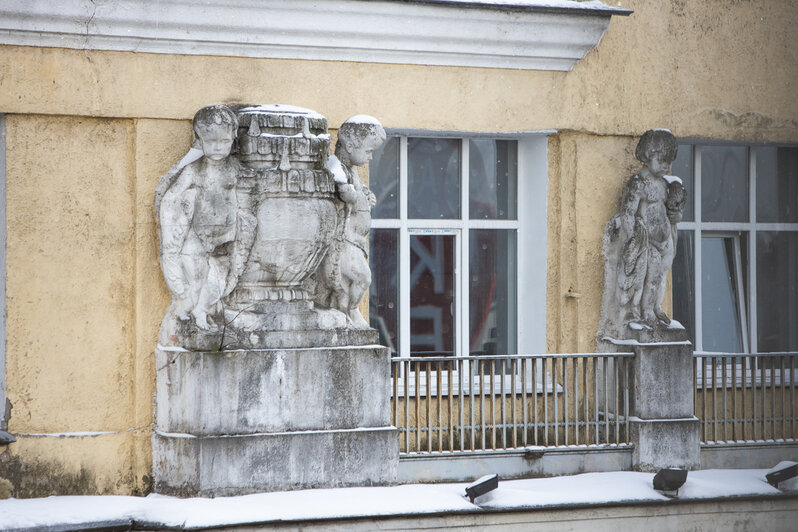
657,150
216,127
358,137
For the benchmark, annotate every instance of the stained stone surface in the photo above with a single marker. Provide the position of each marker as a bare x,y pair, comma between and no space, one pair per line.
639,242
268,377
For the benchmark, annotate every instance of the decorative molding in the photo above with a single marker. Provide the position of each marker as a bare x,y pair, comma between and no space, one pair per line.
530,35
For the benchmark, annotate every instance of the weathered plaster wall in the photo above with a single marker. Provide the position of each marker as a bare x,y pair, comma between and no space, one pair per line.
89,133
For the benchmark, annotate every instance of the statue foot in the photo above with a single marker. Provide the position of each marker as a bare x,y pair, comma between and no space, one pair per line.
661,316
358,322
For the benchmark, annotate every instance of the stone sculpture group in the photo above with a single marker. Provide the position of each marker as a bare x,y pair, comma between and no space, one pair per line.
260,230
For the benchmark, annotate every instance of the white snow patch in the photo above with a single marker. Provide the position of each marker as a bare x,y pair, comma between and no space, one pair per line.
672,179
587,488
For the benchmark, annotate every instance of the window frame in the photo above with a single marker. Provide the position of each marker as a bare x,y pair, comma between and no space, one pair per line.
530,226
747,231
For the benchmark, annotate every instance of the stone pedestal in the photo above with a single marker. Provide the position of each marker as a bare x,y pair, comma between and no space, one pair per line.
663,427
243,421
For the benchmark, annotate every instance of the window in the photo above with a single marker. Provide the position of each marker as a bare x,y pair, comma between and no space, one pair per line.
735,276
458,244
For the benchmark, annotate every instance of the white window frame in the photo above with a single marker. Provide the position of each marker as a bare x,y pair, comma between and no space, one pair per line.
747,308
531,237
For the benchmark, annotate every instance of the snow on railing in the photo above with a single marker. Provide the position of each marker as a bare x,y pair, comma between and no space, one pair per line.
743,398
500,403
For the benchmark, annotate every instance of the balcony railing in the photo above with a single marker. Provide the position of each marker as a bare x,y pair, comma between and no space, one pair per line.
744,397
495,404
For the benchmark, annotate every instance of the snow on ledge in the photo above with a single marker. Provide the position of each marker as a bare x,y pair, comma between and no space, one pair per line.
414,499
519,34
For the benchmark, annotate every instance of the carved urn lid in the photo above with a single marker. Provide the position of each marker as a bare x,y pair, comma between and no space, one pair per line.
282,136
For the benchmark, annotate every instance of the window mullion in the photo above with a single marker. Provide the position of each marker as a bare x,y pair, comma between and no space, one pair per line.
404,254
697,243
463,274
752,321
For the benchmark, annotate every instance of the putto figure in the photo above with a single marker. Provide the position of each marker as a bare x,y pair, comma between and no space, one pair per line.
205,236
640,240
344,274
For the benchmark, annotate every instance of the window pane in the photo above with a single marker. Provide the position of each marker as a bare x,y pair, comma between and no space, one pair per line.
384,179
682,167
492,292
432,260
777,291
384,290
493,175
720,298
433,178
683,285
777,185
724,184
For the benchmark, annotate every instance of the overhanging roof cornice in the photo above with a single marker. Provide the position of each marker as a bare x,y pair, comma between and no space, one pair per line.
531,34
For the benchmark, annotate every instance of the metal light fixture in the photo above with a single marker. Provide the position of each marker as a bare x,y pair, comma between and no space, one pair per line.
6,438
481,486
783,471
668,481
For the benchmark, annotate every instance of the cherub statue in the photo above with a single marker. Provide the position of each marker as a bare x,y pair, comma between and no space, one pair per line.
205,235
344,275
640,240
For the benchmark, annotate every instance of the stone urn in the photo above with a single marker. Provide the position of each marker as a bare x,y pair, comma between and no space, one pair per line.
293,201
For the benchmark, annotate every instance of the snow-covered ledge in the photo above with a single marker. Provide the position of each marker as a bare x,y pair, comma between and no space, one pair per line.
521,34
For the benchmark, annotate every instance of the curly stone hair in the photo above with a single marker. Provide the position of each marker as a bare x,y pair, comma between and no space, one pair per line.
656,140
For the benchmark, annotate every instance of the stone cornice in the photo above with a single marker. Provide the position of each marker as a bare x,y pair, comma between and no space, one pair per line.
536,35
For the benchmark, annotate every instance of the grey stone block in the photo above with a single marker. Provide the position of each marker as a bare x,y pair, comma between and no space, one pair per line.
235,465
659,444
272,390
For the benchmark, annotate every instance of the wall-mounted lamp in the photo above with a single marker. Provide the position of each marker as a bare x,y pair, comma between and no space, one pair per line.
668,481
481,486
783,471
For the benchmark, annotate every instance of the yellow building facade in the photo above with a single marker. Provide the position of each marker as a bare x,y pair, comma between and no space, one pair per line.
89,131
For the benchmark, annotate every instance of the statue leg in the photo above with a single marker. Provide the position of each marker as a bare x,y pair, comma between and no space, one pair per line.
360,275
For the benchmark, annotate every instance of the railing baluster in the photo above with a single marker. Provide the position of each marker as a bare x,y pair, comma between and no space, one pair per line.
513,395
595,400
556,420
616,411
745,363
576,400
524,412
461,403
723,398
482,401
472,393
429,406
503,409
492,407
407,405
606,421
565,399
783,397
772,398
626,369
734,370
544,375
440,406
793,434
535,397
418,407
449,382
763,379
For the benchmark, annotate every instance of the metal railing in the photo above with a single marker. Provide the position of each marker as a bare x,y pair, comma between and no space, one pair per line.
744,397
500,403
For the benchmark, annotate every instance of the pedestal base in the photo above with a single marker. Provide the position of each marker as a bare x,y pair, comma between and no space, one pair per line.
235,422
665,443
215,466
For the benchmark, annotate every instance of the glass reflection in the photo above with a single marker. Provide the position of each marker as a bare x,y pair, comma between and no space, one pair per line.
493,178
777,184
682,168
432,265
683,284
777,291
433,178
724,184
492,292
384,290
721,303
384,179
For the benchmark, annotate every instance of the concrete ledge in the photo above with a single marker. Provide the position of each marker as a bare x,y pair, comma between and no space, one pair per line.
233,465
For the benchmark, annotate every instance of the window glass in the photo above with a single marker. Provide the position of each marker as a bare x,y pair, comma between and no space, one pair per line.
777,290
492,292
432,293
682,168
724,184
384,290
683,285
777,184
493,177
384,179
720,280
433,178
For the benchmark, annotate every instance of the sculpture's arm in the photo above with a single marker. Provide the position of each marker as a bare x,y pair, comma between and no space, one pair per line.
176,211
630,203
674,204
347,193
